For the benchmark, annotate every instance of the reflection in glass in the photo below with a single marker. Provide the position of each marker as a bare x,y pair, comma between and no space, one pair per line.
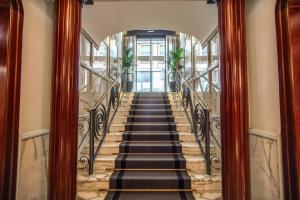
201,59
150,76
85,50
100,58
214,45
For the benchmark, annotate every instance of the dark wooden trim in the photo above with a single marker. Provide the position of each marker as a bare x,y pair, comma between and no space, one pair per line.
234,101
11,29
288,46
64,105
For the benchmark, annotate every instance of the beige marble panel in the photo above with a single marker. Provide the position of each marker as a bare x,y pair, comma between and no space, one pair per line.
33,171
264,168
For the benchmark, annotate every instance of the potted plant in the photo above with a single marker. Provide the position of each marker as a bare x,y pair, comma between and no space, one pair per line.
174,63
127,62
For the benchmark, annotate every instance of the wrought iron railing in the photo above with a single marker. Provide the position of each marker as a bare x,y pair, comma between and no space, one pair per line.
199,117
96,125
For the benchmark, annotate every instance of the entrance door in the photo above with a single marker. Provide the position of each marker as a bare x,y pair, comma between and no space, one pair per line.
151,65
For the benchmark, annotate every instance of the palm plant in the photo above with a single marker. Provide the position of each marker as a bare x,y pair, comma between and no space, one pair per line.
174,63
128,59
127,62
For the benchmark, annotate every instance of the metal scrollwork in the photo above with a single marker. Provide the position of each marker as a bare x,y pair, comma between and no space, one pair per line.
83,162
216,162
185,96
199,117
100,119
115,96
216,122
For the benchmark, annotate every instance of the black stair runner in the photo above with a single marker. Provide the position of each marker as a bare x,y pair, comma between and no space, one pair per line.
150,164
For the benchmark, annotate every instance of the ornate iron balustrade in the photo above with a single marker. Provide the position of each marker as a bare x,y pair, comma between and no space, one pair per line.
95,126
199,116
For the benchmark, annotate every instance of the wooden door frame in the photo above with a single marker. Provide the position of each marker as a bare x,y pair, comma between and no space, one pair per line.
288,48
11,29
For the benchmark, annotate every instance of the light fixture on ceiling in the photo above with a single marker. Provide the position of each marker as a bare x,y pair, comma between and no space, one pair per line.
212,1
151,31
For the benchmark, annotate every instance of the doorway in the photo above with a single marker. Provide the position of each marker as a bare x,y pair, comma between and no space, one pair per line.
150,64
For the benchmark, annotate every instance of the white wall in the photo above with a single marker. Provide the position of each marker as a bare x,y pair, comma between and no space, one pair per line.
36,65
262,66
35,99
265,152
193,17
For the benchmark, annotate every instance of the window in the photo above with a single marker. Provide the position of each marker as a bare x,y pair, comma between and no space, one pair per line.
100,58
85,50
145,50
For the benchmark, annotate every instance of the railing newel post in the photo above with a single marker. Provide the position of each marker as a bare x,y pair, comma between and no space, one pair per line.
207,142
92,132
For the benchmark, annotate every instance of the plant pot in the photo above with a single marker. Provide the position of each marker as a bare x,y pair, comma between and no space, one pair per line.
129,86
172,86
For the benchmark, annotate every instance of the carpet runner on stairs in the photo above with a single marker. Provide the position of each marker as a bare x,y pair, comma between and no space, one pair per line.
150,164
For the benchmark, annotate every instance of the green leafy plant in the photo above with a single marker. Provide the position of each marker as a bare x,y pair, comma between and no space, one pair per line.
128,59
174,61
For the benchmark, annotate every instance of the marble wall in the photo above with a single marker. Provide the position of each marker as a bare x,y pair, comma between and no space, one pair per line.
265,175
33,168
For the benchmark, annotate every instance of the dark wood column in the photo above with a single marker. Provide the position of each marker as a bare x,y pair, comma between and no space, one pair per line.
288,43
11,29
64,106
234,101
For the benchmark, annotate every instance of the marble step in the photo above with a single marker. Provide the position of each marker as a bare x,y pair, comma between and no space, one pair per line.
100,195
117,137
194,163
122,127
124,120
100,182
188,148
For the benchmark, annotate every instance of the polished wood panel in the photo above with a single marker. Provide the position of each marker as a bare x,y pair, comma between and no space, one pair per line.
64,106
11,29
288,45
234,101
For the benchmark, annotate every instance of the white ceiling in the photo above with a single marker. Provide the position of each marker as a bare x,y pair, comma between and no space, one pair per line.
190,16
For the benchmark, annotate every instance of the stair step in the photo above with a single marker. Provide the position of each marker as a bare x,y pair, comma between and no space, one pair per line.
188,148
150,127
150,112
146,179
150,147
143,118
138,161
141,97
150,101
143,195
117,136
150,106
150,136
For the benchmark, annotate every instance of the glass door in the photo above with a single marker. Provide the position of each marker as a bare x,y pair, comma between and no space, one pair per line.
151,65
143,68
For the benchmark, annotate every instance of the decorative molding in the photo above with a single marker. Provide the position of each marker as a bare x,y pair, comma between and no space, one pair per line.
264,134
33,134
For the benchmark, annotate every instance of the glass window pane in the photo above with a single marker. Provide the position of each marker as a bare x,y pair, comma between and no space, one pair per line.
188,57
100,58
215,49
85,50
201,59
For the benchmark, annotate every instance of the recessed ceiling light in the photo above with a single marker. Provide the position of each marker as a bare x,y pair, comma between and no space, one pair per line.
151,31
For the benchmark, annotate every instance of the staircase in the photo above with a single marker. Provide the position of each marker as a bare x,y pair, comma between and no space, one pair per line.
150,159
149,153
